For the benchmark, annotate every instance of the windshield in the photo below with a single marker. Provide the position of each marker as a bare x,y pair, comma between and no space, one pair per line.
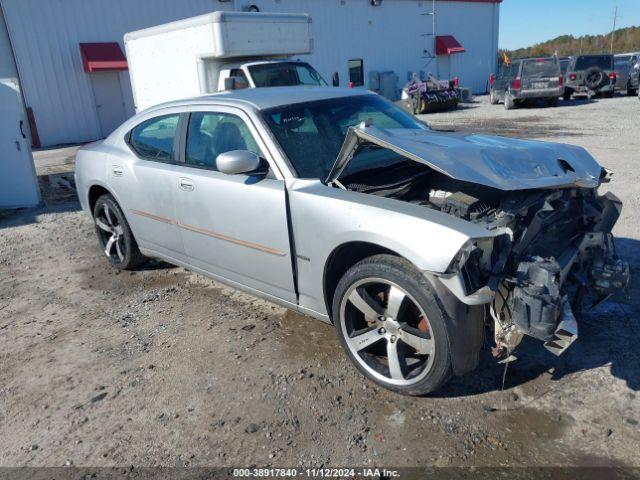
602,61
541,67
285,75
311,134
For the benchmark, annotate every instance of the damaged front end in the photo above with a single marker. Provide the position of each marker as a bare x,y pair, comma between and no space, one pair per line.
549,248
561,255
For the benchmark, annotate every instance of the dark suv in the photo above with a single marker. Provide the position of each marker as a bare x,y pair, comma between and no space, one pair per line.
527,79
590,74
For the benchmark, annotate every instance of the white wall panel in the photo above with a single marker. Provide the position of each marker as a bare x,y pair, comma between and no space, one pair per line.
46,33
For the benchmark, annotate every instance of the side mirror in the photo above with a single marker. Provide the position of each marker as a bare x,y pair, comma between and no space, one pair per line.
238,161
235,83
336,79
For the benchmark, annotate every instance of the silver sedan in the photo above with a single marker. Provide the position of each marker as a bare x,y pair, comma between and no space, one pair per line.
340,205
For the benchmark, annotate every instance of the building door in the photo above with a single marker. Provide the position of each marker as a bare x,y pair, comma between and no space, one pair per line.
18,181
110,106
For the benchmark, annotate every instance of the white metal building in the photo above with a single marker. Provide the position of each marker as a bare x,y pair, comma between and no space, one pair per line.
71,98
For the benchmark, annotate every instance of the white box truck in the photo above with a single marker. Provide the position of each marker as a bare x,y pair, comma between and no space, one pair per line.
219,51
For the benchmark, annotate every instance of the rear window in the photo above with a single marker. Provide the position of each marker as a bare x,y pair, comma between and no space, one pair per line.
622,62
153,139
604,62
541,67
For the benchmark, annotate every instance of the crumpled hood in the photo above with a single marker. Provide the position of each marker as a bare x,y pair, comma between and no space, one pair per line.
497,162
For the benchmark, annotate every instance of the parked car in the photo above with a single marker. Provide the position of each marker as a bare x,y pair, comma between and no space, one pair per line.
624,65
589,75
337,203
527,79
564,64
634,78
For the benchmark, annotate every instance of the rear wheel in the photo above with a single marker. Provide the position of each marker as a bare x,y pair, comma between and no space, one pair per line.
390,324
566,96
632,92
493,98
114,235
552,102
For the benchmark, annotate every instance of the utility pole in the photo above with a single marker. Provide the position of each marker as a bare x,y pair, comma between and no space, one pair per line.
613,30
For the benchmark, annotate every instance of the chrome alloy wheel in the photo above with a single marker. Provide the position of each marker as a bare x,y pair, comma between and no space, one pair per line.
387,331
111,234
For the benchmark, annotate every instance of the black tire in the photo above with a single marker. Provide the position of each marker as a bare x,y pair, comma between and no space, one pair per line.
552,102
509,102
608,94
595,78
493,98
632,92
566,96
115,236
418,296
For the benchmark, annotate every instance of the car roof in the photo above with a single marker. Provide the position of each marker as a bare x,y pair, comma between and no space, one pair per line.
523,59
595,55
267,97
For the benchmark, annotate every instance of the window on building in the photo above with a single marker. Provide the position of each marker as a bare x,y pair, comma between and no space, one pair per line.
356,72
153,139
211,134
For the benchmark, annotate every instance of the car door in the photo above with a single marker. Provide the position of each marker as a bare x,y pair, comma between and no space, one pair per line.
233,226
144,184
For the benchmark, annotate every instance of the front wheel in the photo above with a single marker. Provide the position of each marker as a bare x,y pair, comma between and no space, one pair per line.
114,235
389,322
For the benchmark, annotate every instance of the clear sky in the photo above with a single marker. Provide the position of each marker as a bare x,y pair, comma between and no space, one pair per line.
525,22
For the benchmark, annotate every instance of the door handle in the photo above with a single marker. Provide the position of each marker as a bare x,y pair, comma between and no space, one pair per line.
117,171
22,129
186,184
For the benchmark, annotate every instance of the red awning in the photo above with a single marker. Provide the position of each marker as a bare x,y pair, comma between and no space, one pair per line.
100,57
448,45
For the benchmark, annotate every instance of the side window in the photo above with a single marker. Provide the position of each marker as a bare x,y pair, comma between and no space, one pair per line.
211,134
153,139
356,72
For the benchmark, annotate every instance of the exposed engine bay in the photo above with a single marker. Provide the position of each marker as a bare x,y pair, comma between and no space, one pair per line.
551,251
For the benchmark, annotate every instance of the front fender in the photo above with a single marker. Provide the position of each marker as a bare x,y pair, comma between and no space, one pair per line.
323,218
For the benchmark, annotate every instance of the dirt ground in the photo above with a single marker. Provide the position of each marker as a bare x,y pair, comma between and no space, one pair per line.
164,367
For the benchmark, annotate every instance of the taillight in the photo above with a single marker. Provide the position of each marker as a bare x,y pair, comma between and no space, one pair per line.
572,76
492,79
456,82
351,85
612,76
560,80
517,84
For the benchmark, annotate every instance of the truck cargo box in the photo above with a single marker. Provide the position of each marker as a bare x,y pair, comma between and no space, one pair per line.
170,61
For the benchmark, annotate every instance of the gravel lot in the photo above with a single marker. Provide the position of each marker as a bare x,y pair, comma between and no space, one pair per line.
164,367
